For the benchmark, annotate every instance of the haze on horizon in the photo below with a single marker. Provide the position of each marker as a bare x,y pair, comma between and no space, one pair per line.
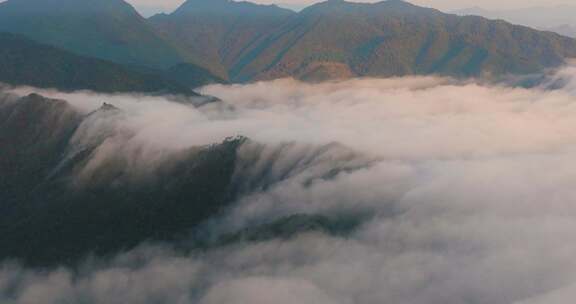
150,6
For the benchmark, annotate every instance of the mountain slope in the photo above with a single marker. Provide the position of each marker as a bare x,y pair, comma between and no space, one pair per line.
338,39
76,184
218,31
191,75
24,62
47,215
106,29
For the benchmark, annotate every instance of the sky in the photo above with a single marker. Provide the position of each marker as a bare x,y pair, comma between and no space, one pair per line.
448,5
149,7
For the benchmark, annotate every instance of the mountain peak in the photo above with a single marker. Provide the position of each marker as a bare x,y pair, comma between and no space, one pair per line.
107,107
330,7
228,6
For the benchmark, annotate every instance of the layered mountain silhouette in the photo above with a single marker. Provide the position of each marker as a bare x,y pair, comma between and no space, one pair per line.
242,41
25,62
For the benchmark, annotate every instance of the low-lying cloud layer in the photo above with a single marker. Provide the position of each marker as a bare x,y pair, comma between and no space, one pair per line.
470,187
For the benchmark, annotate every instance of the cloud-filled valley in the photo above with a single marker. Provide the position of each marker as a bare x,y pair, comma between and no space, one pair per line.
403,190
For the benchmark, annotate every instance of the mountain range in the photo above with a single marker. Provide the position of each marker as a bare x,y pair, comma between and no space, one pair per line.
339,39
207,41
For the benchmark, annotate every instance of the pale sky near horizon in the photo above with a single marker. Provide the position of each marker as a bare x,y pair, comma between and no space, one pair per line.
150,6
168,5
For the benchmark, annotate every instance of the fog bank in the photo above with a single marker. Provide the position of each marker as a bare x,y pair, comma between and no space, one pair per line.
470,190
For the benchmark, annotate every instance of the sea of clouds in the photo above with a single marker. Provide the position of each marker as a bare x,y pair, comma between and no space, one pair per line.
471,188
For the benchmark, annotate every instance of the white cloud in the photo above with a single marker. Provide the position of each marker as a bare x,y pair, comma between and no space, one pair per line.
472,187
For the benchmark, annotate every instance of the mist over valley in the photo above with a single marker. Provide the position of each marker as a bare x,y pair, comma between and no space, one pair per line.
233,152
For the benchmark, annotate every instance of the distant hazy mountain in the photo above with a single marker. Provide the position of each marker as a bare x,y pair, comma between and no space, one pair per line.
219,31
24,62
106,29
556,18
